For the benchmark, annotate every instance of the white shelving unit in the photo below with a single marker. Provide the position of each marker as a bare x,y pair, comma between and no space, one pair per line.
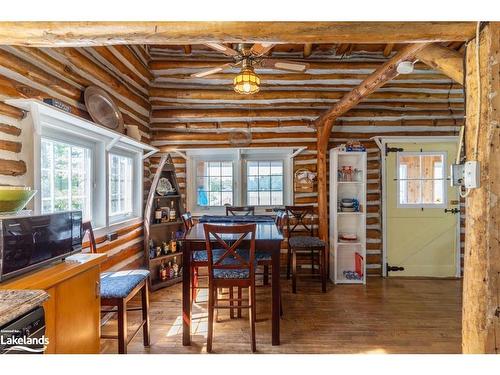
347,258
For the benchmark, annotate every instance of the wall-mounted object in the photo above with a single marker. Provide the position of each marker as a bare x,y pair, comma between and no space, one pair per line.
303,181
102,108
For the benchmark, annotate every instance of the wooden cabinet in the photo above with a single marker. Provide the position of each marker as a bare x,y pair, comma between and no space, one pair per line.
72,312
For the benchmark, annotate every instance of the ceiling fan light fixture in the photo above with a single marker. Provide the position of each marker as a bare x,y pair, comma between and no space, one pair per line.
246,82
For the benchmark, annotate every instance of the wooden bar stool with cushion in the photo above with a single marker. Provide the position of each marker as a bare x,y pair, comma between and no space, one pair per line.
301,240
199,258
234,266
240,210
116,290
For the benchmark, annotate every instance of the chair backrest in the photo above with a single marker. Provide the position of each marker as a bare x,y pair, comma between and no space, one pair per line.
280,220
241,210
299,220
229,258
87,228
187,220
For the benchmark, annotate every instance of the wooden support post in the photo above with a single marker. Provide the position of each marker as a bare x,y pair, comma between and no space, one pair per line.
382,75
480,320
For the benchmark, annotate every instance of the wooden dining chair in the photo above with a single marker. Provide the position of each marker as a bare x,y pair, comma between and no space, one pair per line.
234,267
301,240
116,290
240,210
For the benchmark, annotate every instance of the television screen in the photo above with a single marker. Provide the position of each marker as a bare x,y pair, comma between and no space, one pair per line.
33,240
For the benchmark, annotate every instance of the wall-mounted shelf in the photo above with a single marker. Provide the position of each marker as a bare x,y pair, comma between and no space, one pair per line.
347,259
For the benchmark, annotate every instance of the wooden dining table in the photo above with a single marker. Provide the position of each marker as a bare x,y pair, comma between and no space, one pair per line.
267,239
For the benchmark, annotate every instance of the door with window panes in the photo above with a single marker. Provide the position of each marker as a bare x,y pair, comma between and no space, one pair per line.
421,236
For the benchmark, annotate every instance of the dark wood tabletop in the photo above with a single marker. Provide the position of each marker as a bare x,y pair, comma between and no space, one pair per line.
265,231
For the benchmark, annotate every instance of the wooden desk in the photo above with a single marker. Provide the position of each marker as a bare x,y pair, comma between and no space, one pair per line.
267,238
72,312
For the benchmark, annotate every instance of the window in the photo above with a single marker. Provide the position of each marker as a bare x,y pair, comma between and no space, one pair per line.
421,178
214,183
260,177
120,185
66,177
264,182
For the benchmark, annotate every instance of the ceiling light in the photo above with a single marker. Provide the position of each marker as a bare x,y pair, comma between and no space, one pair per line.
246,82
405,67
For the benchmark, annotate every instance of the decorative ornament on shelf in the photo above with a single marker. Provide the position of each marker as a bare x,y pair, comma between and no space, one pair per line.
102,108
304,181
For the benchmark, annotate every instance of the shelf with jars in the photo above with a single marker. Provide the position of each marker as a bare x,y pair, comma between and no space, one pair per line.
163,227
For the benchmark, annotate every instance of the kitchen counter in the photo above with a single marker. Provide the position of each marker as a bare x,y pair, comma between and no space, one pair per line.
15,303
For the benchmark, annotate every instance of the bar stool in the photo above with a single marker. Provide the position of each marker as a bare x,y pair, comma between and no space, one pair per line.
116,290
231,268
301,240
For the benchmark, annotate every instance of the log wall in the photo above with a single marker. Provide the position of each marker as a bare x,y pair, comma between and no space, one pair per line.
199,113
64,73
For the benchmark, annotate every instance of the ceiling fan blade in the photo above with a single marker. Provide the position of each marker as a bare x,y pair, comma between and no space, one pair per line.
207,72
292,66
259,49
222,48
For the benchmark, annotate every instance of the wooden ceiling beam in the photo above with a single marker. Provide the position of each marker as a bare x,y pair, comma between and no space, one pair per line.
445,60
73,34
388,49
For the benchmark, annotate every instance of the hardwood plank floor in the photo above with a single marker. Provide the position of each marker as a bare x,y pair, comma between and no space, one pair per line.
385,316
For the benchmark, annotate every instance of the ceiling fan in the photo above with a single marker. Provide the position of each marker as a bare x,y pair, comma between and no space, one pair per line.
247,82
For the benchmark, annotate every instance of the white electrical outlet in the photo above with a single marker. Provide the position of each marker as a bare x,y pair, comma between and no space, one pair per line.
471,174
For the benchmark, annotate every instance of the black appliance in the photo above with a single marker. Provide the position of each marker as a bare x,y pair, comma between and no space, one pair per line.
31,242
24,335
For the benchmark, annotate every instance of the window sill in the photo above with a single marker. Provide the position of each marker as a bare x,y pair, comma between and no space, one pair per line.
102,231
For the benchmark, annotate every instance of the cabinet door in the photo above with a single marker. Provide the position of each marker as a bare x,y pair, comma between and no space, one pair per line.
77,314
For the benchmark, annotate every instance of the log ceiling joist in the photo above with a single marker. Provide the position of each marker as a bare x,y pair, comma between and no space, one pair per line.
445,60
72,34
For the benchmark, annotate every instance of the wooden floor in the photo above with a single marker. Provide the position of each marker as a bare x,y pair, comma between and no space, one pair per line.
386,316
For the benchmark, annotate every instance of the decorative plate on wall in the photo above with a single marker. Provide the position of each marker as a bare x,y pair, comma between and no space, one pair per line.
102,108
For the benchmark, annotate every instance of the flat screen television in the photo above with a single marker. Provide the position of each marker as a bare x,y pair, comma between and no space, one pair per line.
31,242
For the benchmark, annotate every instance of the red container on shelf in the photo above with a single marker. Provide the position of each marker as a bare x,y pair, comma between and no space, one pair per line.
358,264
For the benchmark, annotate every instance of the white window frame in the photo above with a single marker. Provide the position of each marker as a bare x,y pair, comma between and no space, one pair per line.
444,203
239,157
45,120
62,137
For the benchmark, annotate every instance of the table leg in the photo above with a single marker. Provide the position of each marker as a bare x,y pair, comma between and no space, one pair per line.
186,293
276,294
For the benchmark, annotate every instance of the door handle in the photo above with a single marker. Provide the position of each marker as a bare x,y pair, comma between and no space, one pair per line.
451,210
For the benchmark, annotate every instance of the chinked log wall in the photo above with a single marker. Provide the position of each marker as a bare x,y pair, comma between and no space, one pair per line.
64,73
197,113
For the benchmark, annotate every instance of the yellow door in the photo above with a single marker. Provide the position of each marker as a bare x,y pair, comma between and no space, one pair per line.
421,236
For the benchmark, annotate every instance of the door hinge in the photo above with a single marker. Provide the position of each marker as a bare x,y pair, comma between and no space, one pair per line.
392,268
392,149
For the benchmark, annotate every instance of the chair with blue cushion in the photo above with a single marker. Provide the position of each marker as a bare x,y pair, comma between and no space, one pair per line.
301,241
231,263
116,290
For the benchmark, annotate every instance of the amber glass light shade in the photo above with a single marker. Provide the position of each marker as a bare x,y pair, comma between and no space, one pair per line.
246,82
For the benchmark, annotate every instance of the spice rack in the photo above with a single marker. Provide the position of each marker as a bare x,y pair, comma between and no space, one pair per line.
162,232
347,217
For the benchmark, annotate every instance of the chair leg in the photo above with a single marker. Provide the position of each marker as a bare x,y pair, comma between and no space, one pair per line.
194,283
239,301
252,310
210,333
323,269
288,259
145,314
266,275
231,302
122,327
312,261
294,272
